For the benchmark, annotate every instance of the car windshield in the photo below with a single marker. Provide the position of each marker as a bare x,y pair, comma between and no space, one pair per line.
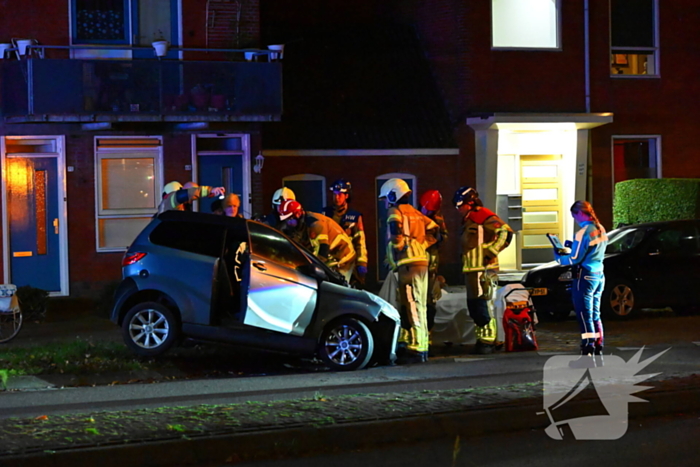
624,240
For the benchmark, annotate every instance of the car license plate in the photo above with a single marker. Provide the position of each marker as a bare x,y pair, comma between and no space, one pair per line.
539,291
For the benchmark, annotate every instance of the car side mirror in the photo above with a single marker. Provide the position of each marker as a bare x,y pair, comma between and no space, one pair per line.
313,270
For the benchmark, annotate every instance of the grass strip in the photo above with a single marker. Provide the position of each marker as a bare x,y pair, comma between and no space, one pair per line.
76,357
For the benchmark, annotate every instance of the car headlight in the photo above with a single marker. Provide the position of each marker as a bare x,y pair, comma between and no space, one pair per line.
385,307
565,276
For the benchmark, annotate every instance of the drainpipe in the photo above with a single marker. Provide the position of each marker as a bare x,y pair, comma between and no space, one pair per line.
587,57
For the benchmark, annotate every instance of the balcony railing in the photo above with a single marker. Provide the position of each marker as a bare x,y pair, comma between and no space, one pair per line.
43,89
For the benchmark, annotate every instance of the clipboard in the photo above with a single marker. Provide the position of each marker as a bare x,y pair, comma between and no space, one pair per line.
554,240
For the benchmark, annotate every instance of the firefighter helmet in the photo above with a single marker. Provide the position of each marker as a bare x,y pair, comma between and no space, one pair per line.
465,195
394,189
281,195
170,187
431,200
289,208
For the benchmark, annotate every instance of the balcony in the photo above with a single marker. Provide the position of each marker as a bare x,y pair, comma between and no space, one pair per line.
77,90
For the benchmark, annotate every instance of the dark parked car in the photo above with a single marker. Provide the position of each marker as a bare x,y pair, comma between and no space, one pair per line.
646,266
232,280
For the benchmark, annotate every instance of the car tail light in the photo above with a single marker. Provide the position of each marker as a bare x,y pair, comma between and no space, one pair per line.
131,258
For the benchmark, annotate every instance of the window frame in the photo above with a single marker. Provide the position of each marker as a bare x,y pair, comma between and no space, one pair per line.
655,50
127,31
655,138
136,213
557,48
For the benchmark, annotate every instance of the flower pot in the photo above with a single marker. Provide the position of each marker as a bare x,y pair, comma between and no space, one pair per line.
22,45
3,50
277,51
249,56
161,47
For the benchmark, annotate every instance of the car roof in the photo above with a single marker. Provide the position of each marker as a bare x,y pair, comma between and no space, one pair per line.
660,224
202,218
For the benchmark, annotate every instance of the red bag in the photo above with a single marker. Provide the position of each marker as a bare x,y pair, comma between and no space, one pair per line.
519,327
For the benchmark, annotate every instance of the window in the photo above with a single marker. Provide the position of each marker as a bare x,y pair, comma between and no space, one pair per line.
624,241
202,239
635,157
128,183
122,22
268,244
309,189
633,37
525,24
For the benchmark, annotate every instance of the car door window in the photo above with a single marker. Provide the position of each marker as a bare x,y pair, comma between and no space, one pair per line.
667,242
188,236
625,240
269,244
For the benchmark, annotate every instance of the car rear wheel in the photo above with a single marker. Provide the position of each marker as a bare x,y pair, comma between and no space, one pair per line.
346,344
619,300
150,329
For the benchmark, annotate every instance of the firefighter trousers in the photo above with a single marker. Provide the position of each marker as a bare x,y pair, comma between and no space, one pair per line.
480,291
413,296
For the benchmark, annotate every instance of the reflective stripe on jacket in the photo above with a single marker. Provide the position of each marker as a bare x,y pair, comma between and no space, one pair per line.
588,249
325,231
351,222
481,243
175,200
415,233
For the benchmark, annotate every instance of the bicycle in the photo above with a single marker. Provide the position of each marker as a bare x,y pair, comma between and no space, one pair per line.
10,313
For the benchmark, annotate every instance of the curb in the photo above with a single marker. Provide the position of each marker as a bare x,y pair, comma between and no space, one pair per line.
304,441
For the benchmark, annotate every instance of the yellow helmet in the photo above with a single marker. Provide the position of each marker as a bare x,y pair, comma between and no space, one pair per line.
282,194
170,187
394,189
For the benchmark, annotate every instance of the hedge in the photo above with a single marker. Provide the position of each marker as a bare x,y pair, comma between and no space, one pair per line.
656,199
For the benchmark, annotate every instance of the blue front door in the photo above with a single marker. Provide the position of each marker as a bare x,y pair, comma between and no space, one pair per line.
32,187
225,171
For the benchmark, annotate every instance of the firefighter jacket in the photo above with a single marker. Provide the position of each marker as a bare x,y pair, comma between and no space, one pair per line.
175,201
351,222
588,249
328,240
484,236
410,237
434,249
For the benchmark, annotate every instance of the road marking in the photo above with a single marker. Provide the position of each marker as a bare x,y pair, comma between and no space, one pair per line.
629,348
696,343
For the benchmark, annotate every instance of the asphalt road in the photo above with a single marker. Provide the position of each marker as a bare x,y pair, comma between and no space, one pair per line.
659,441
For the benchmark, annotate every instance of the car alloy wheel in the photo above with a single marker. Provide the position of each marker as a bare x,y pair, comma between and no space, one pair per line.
149,329
346,344
621,301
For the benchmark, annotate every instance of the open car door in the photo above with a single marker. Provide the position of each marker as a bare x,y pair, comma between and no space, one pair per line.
279,297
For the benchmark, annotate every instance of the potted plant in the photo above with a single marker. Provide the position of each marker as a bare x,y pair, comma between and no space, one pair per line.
160,44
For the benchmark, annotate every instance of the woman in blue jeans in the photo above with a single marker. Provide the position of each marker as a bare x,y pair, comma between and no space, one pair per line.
586,257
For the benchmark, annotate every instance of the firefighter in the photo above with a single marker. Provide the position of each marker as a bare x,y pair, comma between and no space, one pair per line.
231,205
351,221
321,235
430,204
586,256
410,235
273,218
484,235
175,196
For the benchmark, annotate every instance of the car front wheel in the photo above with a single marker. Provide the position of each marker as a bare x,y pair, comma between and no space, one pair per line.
619,300
346,344
149,329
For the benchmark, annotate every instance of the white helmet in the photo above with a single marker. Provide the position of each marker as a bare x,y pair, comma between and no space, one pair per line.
170,187
282,194
394,189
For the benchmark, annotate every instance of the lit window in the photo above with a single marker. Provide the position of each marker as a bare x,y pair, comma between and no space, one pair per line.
633,37
128,190
525,24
